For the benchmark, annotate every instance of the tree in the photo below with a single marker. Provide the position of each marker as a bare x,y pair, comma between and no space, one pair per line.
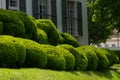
103,16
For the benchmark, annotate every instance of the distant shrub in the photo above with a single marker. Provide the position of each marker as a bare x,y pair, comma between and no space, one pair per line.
1,27
103,62
41,37
48,26
36,56
83,63
70,59
69,39
113,58
12,25
29,24
55,60
117,52
8,54
92,58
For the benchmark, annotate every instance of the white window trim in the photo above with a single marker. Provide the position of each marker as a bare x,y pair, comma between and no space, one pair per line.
14,8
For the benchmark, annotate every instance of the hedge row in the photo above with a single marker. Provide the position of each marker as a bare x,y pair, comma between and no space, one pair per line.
18,52
43,31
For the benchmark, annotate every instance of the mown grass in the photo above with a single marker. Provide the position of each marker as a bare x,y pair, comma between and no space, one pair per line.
41,74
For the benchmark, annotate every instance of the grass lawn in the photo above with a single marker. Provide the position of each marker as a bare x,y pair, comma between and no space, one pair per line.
42,74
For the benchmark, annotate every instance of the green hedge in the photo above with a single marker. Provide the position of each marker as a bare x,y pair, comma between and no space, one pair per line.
83,63
113,58
70,59
29,24
41,37
8,54
19,47
69,39
12,25
48,26
92,58
55,60
117,52
36,56
1,27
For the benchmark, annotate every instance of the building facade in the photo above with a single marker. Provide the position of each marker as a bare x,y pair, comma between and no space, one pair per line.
68,15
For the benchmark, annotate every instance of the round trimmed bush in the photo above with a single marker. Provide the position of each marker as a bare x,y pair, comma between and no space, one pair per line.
103,62
70,59
19,47
92,58
75,53
69,39
48,26
36,56
83,63
55,60
29,24
1,27
12,25
41,37
112,57
8,54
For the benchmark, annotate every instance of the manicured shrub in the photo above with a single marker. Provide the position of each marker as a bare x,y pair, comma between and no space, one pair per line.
19,47
36,56
41,37
117,52
48,26
75,53
92,58
70,59
112,57
12,25
69,39
103,62
1,27
8,54
29,24
55,60
83,63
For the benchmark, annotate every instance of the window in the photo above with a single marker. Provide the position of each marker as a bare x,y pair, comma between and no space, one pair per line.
113,45
43,9
14,4
106,45
70,17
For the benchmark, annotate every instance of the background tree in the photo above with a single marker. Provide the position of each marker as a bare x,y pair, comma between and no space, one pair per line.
103,17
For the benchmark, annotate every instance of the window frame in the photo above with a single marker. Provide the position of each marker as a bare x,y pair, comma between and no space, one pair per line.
16,7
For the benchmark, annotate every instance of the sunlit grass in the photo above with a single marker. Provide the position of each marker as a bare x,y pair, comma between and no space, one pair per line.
42,74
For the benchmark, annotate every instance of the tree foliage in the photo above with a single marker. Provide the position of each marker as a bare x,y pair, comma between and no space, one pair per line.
104,16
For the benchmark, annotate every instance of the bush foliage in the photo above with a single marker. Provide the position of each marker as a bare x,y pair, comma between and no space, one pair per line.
69,58
69,39
1,27
48,26
55,60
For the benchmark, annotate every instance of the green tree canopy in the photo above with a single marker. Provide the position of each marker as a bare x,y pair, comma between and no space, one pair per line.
104,16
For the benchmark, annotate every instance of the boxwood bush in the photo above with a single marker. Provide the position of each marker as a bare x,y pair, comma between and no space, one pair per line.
29,24
75,53
12,25
1,27
117,52
69,39
48,26
55,60
103,61
70,59
8,54
19,47
36,56
92,58
41,37
83,63
113,58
